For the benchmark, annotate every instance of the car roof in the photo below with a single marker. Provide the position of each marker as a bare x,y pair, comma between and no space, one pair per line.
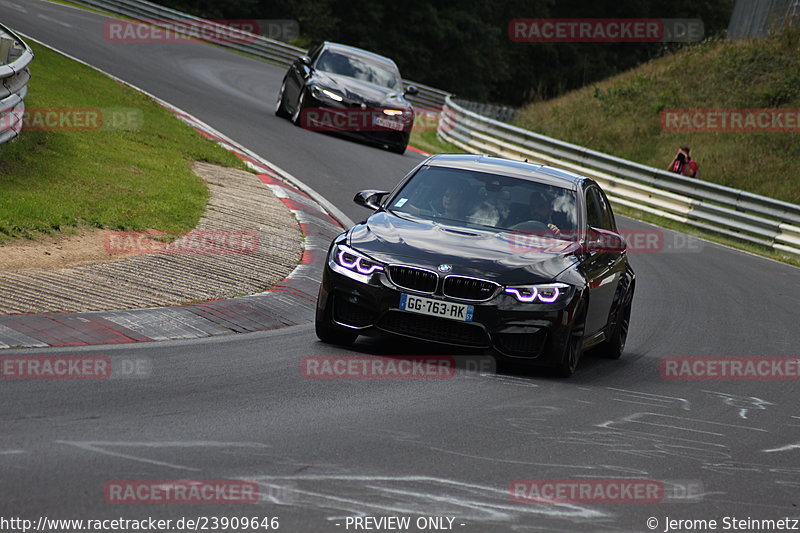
352,50
509,167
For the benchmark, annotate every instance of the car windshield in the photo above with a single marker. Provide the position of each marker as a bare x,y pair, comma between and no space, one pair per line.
360,68
477,199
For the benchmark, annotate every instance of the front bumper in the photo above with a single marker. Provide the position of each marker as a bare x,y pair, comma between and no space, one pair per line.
344,119
535,332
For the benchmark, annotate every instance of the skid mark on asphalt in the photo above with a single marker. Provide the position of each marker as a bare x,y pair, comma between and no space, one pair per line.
417,495
788,447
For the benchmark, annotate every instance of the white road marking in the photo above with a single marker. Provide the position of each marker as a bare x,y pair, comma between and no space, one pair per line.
54,20
97,446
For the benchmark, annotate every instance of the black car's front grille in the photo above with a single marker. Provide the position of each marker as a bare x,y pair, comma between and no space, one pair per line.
521,344
414,279
350,313
468,288
434,328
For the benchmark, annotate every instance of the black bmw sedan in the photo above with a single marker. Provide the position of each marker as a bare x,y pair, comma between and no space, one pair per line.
349,91
488,253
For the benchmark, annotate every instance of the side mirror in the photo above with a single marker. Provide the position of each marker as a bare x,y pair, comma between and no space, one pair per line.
411,90
305,60
370,198
604,241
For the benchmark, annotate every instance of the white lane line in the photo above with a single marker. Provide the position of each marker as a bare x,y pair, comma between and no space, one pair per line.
54,20
97,446
14,6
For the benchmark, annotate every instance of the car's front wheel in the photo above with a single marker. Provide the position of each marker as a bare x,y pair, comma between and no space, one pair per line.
615,345
573,348
334,335
297,116
280,106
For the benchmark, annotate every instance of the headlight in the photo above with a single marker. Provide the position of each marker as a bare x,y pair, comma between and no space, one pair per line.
353,264
330,95
546,293
392,112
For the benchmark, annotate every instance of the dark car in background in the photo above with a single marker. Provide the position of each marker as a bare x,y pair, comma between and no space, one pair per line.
349,91
487,253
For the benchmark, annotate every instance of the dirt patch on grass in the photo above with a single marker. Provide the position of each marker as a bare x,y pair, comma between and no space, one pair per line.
56,251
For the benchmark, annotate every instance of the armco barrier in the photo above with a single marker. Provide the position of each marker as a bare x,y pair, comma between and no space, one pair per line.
15,56
256,45
737,214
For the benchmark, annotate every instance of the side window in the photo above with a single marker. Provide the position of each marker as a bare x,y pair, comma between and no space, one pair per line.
605,210
594,216
314,53
599,214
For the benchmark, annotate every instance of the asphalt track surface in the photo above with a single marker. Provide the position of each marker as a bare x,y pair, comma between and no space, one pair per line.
237,407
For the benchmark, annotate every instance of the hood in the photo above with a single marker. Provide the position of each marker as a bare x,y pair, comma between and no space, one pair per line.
504,257
359,91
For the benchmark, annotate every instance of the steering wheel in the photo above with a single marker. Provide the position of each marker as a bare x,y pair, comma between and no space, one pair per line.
530,225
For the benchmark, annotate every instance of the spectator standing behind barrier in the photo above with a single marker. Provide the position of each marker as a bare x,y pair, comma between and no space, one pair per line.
683,164
691,167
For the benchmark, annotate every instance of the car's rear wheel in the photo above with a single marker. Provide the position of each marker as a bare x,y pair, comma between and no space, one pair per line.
615,345
280,106
574,345
331,334
297,116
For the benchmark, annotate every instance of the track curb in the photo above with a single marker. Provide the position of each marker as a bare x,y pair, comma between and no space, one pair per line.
290,302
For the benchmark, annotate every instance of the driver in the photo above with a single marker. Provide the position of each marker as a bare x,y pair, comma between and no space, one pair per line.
452,203
541,210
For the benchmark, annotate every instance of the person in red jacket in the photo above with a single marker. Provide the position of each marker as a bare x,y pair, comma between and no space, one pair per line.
683,164
691,167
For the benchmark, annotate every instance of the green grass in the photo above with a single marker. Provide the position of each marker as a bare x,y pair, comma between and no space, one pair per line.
428,141
124,179
621,115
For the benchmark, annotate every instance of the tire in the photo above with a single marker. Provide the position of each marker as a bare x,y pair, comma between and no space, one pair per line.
297,116
574,345
332,335
280,107
615,345
398,149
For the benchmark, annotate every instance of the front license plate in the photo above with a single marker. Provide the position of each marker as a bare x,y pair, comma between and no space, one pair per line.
388,123
429,306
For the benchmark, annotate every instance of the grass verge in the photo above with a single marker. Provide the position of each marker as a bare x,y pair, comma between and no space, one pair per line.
428,141
133,174
622,115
